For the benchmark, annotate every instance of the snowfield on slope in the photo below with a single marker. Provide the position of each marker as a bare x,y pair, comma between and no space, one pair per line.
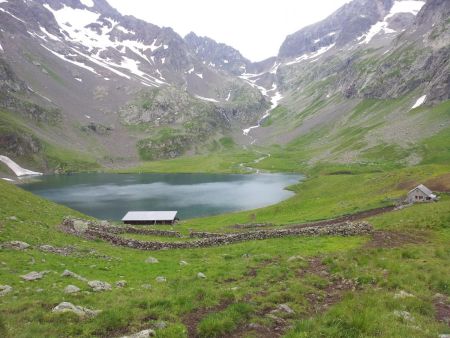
17,169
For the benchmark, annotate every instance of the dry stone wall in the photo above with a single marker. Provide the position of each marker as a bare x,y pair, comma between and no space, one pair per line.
96,231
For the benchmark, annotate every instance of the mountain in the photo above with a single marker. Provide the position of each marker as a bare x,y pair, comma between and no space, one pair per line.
91,64
82,85
366,88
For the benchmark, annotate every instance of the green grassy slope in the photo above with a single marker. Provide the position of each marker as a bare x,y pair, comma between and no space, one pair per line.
245,281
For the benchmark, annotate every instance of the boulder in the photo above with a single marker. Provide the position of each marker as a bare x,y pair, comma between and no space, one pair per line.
183,263
201,275
68,273
80,226
405,315
296,258
161,325
285,308
121,283
78,310
17,245
151,260
71,289
142,334
34,275
161,279
5,289
402,294
97,285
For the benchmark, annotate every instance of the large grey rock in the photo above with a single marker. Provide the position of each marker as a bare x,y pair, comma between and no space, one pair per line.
80,226
17,245
405,315
5,289
68,273
285,308
201,275
151,260
71,289
142,334
296,258
121,283
34,275
97,285
78,310
161,325
402,294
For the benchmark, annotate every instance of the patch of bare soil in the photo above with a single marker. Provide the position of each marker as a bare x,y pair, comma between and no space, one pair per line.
440,183
442,308
192,319
331,294
393,239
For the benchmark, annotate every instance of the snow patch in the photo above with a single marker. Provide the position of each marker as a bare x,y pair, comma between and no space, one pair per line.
17,169
311,56
200,75
206,99
274,103
7,179
87,116
15,17
76,63
87,3
124,30
1,48
225,61
406,6
78,79
50,35
229,96
419,102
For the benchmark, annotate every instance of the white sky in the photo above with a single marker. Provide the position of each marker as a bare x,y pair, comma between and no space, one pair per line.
256,28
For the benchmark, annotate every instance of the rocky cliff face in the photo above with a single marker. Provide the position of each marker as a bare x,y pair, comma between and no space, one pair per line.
345,25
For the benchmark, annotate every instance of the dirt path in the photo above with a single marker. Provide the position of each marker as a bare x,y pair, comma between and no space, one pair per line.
347,218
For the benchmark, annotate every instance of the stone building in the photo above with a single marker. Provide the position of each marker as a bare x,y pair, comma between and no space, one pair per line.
421,194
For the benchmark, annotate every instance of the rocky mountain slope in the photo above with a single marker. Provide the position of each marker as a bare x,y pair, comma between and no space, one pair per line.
78,77
89,63
377,88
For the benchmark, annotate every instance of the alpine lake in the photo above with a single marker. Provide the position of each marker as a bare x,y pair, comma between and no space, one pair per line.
111,196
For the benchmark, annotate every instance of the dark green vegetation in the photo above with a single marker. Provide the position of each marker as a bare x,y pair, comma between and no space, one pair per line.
337,287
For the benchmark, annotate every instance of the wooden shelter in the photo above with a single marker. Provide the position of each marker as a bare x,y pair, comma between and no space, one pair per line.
150,217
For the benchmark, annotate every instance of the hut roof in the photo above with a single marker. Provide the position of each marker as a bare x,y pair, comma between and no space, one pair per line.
424,189
150,216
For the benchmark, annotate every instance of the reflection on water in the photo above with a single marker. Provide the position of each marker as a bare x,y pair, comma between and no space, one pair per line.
110,196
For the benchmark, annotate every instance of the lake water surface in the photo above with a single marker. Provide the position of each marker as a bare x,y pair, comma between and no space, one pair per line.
110,196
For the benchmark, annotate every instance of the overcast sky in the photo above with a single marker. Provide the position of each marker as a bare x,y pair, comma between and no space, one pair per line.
255,27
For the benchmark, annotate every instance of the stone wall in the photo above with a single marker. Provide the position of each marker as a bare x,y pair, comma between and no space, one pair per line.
95,231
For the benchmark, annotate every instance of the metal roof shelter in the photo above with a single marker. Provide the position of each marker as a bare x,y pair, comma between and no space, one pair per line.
150,217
